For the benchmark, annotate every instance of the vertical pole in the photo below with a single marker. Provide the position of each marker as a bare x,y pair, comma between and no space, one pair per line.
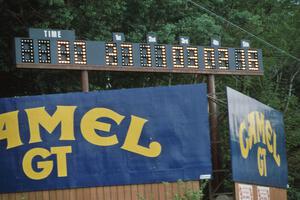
210,192
84,81
213,117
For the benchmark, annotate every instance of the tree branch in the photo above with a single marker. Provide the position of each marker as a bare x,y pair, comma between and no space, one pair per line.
290,89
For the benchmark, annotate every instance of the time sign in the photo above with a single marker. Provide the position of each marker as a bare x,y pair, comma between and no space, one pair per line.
58,49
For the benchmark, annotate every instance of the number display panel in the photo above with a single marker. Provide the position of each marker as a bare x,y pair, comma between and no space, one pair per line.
61,53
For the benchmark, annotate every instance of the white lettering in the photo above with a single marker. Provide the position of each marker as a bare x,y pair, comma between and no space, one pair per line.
53,34
151,38
245,44
184,40
118,37
216,43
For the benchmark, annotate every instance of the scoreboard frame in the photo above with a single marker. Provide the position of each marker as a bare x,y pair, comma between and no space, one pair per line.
58,49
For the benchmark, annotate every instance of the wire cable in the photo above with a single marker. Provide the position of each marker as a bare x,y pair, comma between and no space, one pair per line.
240,28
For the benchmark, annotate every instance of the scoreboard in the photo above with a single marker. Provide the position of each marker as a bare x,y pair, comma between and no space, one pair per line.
59,49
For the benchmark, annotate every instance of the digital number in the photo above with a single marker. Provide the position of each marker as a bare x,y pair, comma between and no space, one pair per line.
177,53
44,51
160,56
111,54
126,50
27,51
63,52
209,58
192,57
79,52
223,58
240,59
253,60
145,55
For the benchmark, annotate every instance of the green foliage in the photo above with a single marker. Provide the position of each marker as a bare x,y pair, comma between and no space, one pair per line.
191,194
188,194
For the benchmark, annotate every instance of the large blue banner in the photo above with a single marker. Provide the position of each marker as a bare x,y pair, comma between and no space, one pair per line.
257,142
104,138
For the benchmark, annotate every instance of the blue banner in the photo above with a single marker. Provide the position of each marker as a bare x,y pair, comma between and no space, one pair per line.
257,142
104,138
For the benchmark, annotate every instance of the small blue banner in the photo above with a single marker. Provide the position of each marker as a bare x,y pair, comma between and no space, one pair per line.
257,142
104,138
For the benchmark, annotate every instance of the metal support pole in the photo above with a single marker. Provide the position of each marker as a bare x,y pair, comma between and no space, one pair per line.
210,192
84,81
213,128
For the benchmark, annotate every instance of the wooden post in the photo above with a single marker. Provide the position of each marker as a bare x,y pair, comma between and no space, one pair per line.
213,117
84,81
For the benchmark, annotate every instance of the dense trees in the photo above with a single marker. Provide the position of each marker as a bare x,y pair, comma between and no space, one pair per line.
276,21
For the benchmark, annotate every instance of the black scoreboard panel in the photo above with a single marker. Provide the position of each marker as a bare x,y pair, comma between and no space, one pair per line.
62,53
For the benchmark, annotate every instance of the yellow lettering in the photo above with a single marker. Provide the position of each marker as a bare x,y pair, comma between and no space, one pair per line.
45,166
275,155
61,157
259,130
260,124
39,116
89,124
268,133
9,129
133,136
262,161
244,146
251,130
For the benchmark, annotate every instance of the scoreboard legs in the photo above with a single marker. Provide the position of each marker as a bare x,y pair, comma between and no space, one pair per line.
213,118
84,81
